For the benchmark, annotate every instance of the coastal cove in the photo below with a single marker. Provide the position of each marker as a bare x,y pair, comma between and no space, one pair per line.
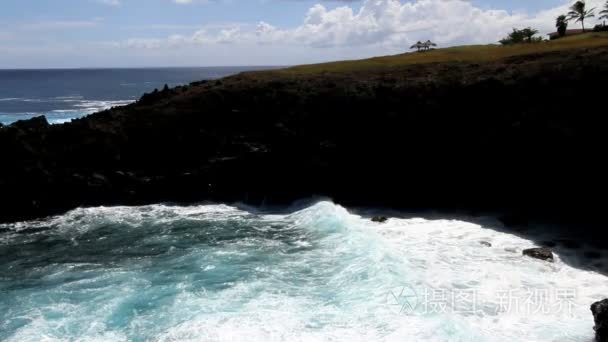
445,195
304,171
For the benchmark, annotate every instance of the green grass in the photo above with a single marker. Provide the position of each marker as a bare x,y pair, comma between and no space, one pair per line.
467,53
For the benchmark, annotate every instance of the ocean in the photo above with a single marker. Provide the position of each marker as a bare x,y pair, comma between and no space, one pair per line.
314,272
62,95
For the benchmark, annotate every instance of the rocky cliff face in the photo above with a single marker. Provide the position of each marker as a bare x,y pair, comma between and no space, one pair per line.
525,135
600,317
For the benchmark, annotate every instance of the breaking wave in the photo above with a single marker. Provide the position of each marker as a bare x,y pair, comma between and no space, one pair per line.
224,273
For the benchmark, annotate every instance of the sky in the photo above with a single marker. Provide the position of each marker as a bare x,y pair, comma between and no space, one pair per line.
146,33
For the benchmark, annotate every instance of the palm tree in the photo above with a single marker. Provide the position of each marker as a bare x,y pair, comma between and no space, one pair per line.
428,44
579,12
418,46
562,25
604,12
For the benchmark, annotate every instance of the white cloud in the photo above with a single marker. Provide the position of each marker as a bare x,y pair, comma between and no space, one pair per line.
381,23
376,27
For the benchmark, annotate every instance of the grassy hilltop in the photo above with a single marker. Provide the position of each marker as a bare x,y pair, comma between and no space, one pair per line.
466,53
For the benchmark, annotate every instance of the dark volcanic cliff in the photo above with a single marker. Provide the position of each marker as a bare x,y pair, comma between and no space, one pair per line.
524,134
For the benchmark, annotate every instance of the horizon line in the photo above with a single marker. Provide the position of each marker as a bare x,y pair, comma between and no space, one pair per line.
143,67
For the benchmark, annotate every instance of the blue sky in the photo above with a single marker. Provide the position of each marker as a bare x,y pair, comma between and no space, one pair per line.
124,33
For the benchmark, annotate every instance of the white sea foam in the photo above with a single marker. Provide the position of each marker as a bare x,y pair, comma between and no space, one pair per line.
79,109
20,99
70,98
99,105
220,273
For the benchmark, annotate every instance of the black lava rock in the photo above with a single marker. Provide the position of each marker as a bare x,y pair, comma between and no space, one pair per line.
379,219
521,140
33,124
539,253
600,316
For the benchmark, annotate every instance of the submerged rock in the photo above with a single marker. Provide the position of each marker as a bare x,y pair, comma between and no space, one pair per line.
485,243
539,253
379,219
600,316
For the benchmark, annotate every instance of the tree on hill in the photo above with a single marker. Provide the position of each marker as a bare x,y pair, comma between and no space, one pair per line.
428,44
418,46
562,25
521,36
514,37
580,12
529,34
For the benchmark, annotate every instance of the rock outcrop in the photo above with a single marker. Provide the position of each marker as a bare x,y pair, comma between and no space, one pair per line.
379,219
539,253
521,135
600,316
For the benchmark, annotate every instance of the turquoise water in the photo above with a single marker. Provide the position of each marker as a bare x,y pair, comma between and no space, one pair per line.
222,273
